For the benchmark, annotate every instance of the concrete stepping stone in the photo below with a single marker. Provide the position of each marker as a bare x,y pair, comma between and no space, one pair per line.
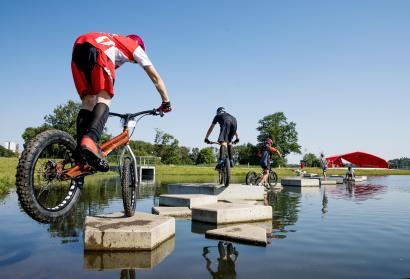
240,233
108,260
300,182
233,191
115,232
327,182
222,213
181,212
190,200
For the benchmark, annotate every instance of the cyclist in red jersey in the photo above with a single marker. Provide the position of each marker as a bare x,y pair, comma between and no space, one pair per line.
95,57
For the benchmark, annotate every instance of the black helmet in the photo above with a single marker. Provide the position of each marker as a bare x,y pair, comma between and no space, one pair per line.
220,110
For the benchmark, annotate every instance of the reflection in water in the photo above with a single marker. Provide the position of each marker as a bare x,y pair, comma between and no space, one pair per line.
285,208
357,192
226,260
324,202
126,260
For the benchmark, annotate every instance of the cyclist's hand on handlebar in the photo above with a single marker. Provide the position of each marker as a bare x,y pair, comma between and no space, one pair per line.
236,141
165,107
207,141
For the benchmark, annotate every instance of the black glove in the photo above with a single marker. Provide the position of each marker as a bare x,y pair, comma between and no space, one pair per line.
207,141
165,107
236,141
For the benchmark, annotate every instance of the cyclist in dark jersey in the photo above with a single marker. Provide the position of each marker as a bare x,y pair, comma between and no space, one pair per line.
228,130
265,160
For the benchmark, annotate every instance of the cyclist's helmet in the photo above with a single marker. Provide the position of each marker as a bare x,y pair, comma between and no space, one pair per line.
269,141
220,110
137,39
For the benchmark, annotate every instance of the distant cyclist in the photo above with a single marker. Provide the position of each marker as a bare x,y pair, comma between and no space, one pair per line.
265,161
323,162
95,57
228,130
350,174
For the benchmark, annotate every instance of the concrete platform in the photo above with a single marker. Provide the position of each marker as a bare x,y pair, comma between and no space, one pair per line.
107,260
178,212
300,182
327,182
115,232
223,213
183,200
243,233
202,228
233,191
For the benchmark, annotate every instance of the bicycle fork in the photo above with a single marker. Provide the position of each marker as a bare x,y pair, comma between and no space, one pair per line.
121,159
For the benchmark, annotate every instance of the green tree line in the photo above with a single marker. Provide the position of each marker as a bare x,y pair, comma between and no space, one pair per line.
167,147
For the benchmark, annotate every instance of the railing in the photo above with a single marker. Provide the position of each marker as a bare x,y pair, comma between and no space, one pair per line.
147,160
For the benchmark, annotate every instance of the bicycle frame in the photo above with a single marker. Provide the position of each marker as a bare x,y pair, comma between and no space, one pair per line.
107,148
114,143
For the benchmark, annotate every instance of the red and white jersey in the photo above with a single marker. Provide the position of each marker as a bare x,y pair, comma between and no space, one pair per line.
118,48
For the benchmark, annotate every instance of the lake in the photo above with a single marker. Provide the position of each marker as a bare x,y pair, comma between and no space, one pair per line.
359,231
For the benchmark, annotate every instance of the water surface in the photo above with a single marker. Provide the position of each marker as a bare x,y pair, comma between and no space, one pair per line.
359,231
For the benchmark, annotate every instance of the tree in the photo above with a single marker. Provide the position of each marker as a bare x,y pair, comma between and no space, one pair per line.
282,133
4,152
247,154
64,117
206,156
311,160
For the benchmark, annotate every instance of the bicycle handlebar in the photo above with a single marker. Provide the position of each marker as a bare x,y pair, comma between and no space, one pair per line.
215,142
128,116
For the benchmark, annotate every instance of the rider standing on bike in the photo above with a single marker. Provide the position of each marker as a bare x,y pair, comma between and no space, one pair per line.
228,129
95,57
265,160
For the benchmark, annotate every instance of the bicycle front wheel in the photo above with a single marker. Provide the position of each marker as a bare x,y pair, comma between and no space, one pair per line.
128,188
43,192
272,179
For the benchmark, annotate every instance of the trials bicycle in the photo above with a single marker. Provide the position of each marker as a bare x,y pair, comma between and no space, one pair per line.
49,180
224,169
252,178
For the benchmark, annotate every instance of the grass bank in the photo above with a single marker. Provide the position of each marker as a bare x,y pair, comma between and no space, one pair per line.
8,172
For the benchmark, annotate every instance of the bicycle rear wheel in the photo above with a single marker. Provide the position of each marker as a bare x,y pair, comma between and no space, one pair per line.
272,179
227,172
43,192
128,189
251,177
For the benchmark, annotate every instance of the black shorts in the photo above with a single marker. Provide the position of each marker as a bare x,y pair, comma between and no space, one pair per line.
228,130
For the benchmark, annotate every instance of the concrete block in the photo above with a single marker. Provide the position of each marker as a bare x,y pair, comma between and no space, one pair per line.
327,182
180,212
202,228
115,232
222,213
233,191
242,192
108,260
243,233
299,182
190,201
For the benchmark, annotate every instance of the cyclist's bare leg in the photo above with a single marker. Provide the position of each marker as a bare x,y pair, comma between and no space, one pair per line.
265,176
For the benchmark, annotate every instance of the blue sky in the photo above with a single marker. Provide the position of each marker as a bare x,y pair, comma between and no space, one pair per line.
339,69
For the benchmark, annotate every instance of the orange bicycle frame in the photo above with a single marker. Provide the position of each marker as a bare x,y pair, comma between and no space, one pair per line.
107,147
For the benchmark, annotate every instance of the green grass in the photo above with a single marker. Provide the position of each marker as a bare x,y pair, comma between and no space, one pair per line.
8,172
